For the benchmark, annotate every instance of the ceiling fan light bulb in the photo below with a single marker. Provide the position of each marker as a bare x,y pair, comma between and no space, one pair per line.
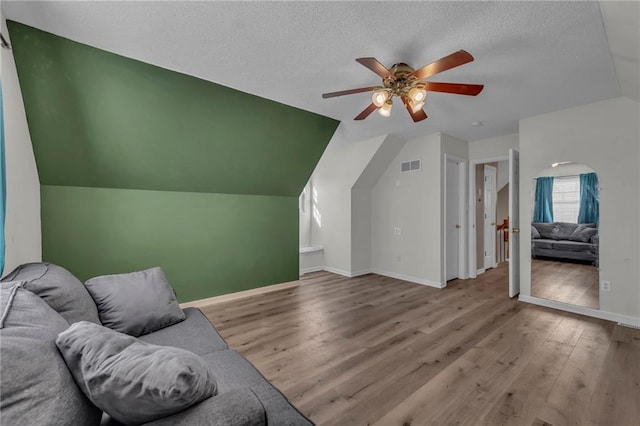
385,109
416,106
417,94
379,97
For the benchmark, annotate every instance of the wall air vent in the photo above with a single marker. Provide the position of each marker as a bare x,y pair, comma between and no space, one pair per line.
411,166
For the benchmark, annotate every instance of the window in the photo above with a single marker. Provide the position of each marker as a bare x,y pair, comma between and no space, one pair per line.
566,199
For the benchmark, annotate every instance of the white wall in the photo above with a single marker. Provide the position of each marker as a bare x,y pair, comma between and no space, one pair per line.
305,215
22,223
604,136
565,170
492,147
502,177
360,231
412,202
338,169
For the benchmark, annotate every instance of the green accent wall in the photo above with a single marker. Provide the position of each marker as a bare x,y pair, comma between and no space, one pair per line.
141,166
207,244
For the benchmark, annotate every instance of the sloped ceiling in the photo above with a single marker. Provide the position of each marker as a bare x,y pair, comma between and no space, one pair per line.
622,23
101,120
533,57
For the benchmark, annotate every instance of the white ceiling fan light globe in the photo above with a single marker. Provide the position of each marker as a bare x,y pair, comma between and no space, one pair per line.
379,97
417,94
416,106
385,109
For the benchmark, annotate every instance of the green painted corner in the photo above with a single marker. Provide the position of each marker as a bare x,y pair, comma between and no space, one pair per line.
98,119
207,244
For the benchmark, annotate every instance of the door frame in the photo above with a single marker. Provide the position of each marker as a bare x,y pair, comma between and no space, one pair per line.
461,164
484,223
471,254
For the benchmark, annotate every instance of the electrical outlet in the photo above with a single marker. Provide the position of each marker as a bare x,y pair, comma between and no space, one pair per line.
605,286
397,230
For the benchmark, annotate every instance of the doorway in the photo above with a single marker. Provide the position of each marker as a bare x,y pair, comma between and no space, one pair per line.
504,228
454,257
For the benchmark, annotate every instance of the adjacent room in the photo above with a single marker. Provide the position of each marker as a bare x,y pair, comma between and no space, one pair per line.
332,213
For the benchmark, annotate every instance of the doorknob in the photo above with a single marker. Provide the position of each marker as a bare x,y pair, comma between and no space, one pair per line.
458,226
493,224
515,230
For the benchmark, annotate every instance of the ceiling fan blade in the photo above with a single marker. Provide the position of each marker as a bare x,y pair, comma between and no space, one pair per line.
416,116
349,92
443,64
377,67
368,110
457,88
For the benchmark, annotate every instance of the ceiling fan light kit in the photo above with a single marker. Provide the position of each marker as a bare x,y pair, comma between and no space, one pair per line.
385,109
403,81
379,97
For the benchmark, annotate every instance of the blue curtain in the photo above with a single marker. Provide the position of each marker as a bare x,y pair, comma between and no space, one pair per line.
543,206
3,192
589,199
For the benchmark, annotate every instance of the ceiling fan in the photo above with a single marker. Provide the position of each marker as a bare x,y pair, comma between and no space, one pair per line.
406,83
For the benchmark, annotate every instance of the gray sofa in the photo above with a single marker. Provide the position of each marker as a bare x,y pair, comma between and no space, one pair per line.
566,241
244,397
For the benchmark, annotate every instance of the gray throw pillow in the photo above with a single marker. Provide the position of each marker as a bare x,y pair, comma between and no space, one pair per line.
583,233
136,303
36,387
133,381
534,233
563,230
59,288
545,229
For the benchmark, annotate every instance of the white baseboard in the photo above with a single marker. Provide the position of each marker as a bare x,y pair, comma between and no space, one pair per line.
360,273
239,294
337,271
311,269
480,271
590,312
409,278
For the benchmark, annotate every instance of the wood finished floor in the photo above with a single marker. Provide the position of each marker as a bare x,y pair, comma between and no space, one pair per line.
376,350
574,283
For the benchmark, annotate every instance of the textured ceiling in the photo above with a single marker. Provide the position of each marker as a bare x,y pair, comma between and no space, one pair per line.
622,23
533,57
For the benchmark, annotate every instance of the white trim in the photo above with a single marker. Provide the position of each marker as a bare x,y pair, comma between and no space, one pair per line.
311,269
311,249
409,278
240,294
590,312
461,164
360,273
480,271
337,271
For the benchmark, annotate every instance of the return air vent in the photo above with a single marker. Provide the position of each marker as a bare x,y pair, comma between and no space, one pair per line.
411,166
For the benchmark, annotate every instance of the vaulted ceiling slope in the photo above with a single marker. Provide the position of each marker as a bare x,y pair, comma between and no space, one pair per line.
532,57
101,120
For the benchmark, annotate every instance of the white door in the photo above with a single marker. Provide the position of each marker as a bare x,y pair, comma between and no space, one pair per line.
514,222
490,196
452,220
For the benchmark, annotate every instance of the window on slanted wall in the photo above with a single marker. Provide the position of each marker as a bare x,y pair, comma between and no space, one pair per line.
566,199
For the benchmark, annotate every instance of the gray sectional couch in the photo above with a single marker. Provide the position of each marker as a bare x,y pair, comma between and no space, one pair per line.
28,328
567,241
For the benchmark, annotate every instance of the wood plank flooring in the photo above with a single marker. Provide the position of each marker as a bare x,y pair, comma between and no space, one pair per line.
376,350
567,282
